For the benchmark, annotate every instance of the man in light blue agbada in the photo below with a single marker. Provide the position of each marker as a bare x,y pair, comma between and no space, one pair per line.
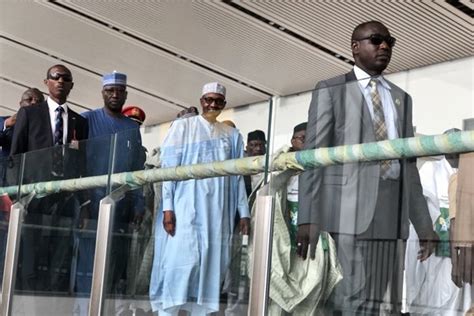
193,233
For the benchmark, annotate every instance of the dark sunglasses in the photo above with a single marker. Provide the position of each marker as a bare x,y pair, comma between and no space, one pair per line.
217,101
56,76
377,39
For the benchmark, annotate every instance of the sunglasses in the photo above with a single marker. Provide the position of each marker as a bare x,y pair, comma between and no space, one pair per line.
217,101
56,76
377,39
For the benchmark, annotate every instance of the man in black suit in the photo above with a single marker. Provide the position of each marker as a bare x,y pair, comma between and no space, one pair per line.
50,124
365,206
29,97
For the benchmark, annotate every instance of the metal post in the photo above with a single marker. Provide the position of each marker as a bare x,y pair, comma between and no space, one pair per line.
17,214
262,253
273,106
102,249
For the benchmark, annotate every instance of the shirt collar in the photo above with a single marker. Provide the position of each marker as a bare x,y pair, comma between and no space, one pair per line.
53,105
364,78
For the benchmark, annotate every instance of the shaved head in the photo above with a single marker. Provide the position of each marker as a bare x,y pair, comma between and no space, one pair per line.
359,29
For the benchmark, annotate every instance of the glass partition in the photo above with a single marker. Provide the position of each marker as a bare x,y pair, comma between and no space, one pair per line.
5,206
199,265
56,252
364,237
198,262
359,237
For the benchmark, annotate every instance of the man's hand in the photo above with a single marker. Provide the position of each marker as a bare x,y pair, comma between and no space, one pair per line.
137,220
169,222
244,226
427,247
84,215
461,260
307,237
9,122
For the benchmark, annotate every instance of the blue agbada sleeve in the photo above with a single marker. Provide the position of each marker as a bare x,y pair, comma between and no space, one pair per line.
171,156
242,199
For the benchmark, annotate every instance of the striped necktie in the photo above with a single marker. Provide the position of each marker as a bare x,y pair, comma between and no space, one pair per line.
58,131
57,150
380,128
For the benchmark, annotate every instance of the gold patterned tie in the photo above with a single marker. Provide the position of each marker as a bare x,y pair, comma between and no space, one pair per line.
379,122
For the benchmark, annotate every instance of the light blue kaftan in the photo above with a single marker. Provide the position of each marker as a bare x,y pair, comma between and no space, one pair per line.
189,268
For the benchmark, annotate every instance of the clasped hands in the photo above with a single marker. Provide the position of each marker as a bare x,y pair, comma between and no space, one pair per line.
169,223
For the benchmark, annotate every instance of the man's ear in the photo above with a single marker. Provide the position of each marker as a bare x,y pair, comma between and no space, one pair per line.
72,85
355,47
45,81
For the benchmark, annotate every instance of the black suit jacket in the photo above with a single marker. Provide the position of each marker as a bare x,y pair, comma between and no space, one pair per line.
33,135
5,143
5,137
342,198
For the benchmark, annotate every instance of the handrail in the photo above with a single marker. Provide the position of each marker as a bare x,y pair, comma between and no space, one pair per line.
455,142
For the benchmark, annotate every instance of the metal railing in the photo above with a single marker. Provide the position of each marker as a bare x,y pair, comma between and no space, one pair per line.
308,159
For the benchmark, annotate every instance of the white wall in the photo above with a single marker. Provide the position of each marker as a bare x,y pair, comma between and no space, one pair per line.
443,96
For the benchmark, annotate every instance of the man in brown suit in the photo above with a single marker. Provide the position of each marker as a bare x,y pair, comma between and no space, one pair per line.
462,225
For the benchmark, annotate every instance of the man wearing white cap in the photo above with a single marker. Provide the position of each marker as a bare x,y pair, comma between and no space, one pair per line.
192,251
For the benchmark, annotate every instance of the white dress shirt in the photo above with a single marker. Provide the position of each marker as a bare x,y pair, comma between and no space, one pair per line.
52,105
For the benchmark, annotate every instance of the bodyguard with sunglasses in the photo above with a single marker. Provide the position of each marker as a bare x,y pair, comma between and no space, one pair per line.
50,133
366,206
37,127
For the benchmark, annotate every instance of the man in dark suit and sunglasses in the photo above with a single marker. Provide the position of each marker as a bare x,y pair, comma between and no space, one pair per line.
365,206
51,123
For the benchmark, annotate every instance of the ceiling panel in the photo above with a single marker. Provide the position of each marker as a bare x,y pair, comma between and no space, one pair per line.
169,49
426,34
98,50
224,39
87,86
10,94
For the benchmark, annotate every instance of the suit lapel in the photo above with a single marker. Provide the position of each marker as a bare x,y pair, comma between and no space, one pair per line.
398,99
71,125
46,121
354,96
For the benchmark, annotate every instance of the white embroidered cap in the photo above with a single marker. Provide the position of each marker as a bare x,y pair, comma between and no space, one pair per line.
213,87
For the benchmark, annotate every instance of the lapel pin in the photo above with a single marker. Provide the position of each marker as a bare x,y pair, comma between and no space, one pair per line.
397,101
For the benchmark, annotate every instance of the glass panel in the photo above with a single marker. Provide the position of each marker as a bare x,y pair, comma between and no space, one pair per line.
5,206
201,268
368,217
58,234
131,229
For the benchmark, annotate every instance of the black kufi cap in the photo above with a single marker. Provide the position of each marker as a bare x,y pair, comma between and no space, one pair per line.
256,135
300,127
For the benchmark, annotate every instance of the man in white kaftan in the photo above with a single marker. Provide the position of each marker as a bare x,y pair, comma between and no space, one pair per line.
193,239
